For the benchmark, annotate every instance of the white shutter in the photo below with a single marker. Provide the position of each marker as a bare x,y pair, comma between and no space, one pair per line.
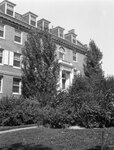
11,58
5,57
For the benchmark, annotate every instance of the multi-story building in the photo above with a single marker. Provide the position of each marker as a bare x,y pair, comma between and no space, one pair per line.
14,28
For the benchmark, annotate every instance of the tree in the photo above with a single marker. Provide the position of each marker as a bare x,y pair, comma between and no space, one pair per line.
93,61
93,69
40,68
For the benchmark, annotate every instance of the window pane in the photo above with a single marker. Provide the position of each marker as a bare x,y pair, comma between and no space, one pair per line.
1,27
16,56
33,23
17,39
1,33
10,12
74,58
16,83
74,41
60,55
63,83
1,30
10,7
1,56
0,82
16,89
16,63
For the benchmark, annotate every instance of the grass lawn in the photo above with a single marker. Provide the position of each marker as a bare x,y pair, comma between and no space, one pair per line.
55,139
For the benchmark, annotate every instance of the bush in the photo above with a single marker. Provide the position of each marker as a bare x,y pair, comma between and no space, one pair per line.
17,111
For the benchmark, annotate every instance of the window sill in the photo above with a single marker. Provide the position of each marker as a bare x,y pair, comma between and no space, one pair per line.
75,61
16,93
1,64
17,67
20,43
2,37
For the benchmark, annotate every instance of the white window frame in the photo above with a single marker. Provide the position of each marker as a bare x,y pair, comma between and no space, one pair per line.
16,67
3,33
20,37
74,55
1,88
17,93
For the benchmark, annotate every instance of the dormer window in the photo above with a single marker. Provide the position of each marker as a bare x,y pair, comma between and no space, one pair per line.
30,18
71,36
33,21
43,24
9,9
58,31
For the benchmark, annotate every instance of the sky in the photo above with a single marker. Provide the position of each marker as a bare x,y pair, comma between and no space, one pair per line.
91,19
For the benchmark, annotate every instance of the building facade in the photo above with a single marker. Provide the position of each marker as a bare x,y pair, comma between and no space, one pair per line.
14,28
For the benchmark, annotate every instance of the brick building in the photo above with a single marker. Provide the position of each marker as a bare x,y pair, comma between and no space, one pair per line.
13,33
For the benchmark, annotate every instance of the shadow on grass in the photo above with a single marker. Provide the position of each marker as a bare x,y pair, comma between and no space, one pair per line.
20,146
99,148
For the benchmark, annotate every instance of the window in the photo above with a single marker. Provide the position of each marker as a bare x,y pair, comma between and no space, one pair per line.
1,30
61,55
1,56
63,79
74,39
17,37
9,10
74,56
61,33
45,25
16,86
17,60
1,83
33,21
75,73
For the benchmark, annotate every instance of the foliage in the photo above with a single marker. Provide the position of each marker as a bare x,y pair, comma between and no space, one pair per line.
91,96
92,66
18,111
40,68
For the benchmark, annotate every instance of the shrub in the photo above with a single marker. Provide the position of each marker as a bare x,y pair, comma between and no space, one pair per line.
17,111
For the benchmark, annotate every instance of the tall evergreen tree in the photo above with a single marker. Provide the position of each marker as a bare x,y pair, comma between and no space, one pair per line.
40,68
93,61
93,69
